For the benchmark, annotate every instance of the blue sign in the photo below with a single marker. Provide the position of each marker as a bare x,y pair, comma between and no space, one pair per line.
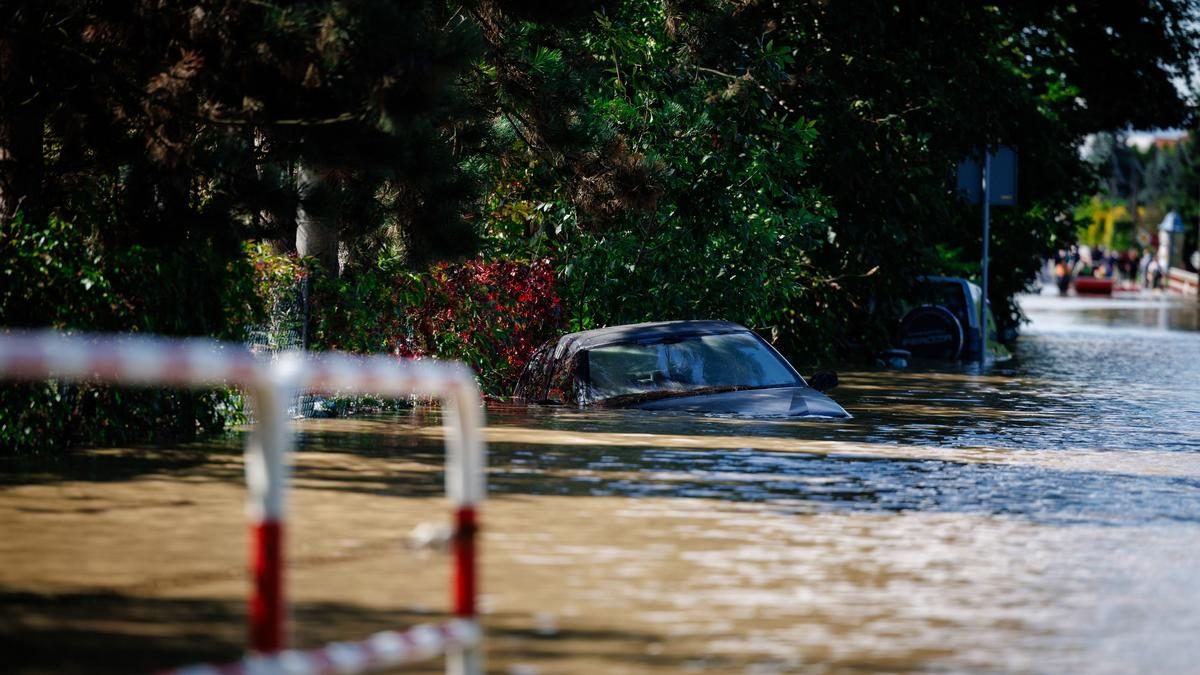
1003,188
1172,223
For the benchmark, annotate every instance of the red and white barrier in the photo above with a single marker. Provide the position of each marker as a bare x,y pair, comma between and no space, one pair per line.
196,363
1183,282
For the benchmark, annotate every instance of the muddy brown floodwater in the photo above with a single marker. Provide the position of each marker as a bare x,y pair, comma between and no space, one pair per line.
1035,516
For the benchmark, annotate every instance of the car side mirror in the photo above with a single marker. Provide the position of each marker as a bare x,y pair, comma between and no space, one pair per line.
823,380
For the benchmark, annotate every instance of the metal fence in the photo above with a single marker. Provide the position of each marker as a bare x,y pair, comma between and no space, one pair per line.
272,385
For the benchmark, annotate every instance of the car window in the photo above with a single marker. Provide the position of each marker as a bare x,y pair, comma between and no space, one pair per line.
562,385
534,380
948,294
548,377
682,364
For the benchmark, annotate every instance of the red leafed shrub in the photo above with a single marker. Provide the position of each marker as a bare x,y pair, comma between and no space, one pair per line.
490,315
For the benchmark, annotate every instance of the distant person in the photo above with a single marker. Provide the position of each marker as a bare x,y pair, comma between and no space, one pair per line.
1083,266
1154,273
1144,267
1062,276
1128,265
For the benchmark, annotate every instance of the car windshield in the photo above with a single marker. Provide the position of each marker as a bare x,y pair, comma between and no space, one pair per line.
731,360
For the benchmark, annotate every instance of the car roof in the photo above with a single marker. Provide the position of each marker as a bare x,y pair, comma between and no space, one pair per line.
638,332
937,279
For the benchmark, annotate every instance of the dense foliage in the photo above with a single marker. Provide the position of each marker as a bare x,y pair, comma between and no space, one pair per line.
169,124
787,165
694,197
792,166
56,277
490,314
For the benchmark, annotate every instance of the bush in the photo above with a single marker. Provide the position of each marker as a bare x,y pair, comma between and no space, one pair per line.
280,288
490,315
57,276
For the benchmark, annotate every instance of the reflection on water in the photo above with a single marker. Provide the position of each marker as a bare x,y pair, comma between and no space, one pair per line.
1127,313
1039,515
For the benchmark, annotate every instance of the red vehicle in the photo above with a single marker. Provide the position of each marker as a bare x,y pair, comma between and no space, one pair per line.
1093,286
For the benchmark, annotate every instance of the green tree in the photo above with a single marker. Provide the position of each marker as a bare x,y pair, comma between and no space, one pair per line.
1149,182
151,139
170,124
664,187
899,93
792,165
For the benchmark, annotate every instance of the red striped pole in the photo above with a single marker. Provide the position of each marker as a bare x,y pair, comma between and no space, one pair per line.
465,587
466,485
267,602
267,451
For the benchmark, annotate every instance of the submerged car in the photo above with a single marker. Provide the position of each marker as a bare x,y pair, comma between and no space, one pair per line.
716,367
946,323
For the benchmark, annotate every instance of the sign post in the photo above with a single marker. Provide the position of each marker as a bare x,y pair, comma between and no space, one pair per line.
993,184
987,236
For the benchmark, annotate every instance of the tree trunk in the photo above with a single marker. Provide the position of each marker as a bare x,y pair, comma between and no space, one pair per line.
316,222
22,164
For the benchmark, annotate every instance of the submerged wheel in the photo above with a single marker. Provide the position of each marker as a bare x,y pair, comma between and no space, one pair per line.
931,331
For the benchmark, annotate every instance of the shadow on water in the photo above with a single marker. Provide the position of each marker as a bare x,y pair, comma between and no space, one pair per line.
110,632
822,467
118,633
219,460
801,467
803,484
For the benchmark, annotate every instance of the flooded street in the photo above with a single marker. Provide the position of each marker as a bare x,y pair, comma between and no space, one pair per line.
1040,515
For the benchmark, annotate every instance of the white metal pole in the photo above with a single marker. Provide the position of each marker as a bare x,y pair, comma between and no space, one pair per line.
268,454
466,484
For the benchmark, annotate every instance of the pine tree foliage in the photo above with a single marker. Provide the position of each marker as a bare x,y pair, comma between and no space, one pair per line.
166,123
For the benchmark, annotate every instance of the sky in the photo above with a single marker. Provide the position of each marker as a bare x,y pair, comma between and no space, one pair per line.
1144,139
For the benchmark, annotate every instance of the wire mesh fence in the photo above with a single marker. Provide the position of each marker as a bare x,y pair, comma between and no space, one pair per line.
285,330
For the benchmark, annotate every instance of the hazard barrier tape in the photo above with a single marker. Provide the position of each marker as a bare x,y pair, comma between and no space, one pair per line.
198,363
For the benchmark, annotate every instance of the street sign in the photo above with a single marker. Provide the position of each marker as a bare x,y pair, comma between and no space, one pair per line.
1002,190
